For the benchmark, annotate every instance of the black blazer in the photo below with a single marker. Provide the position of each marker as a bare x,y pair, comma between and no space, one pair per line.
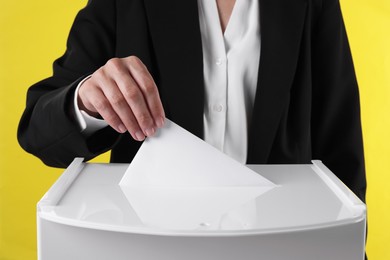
306,105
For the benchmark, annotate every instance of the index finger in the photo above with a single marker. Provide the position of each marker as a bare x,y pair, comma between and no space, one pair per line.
149,89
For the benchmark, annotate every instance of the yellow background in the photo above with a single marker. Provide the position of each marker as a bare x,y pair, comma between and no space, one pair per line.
33,34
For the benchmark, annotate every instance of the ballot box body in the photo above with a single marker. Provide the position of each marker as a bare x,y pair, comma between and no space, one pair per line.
309,215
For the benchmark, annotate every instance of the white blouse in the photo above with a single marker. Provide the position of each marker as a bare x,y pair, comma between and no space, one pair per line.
231,63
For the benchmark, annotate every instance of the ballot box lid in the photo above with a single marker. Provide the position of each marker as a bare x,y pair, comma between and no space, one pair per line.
306,197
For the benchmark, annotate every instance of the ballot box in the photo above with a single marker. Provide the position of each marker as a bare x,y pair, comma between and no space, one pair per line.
309,214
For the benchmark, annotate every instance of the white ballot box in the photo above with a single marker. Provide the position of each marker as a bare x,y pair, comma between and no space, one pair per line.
308,215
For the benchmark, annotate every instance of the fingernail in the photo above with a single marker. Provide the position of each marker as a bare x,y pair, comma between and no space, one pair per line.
122,128
140,136
149,131
160,122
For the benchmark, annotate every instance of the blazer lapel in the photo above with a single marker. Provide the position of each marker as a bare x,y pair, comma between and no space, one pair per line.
281,31
175,33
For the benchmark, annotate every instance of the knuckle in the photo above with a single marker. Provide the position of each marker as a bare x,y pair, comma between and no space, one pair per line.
110,116
144,119
114,64
135,60
149,86
133,95
101,105
156,109
113,61
129,121
88,88
98,76
116,99
83,90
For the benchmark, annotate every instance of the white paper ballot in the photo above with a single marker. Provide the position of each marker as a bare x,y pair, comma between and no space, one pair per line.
177,158
177,181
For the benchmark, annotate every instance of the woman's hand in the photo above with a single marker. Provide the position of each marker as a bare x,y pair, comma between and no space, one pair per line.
124,93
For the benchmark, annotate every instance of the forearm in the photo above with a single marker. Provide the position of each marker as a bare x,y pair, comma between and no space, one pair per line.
49,131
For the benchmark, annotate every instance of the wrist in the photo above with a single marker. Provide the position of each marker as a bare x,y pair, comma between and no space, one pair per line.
80,104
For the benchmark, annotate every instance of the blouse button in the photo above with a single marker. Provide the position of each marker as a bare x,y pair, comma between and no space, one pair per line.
217,108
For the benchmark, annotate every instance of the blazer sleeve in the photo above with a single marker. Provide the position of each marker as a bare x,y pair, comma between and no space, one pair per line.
336,125
47,128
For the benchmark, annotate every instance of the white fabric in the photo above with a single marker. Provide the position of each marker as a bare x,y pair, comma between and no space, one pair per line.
88,124
231,62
